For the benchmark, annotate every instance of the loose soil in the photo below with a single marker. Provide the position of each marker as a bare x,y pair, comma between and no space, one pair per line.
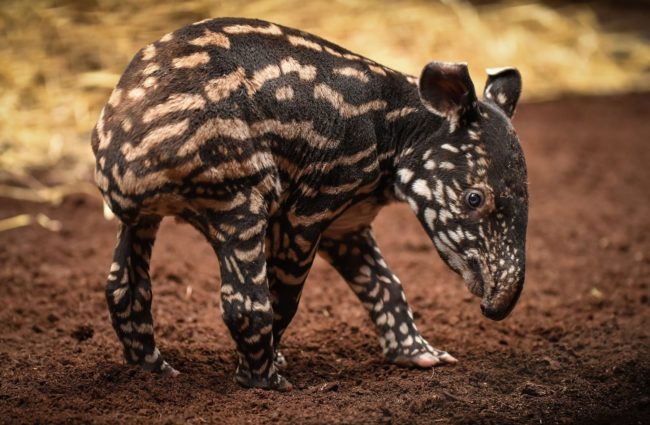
576,349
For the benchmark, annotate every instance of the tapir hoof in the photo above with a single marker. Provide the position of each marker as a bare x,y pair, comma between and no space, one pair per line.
423,360
276,382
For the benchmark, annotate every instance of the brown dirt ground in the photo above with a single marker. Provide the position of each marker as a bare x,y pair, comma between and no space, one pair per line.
568,354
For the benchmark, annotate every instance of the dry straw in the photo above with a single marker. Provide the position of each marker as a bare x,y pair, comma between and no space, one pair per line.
59,59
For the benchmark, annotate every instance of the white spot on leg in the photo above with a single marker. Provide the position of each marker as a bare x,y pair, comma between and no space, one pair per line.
151,358
386,296
449,148
118,294
379,305
447,165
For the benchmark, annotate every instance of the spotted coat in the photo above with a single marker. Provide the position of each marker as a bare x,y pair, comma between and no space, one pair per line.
278,145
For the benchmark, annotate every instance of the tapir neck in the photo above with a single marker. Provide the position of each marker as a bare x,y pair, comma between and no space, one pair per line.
409,125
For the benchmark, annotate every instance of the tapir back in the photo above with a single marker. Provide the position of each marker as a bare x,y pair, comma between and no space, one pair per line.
226,99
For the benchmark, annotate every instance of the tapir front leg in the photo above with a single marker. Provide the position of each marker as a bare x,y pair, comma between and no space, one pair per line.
358,259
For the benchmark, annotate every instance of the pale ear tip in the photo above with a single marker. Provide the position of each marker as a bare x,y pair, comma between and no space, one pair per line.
448,64
498,70
465,64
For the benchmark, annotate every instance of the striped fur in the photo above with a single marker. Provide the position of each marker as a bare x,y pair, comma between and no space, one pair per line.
270,141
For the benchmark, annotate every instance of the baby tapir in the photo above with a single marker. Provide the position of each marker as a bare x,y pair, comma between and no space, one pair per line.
276,145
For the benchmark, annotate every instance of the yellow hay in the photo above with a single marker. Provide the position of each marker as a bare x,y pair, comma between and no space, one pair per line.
59,59
23,220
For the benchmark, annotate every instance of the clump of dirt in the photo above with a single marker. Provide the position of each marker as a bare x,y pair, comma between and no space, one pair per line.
83,333
575,350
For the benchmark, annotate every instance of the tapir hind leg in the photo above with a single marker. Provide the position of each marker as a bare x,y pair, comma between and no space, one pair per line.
128,294
290,254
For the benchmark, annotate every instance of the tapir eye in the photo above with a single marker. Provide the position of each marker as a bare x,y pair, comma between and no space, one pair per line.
474,198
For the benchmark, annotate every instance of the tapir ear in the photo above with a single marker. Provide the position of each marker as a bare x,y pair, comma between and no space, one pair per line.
503,87
446,89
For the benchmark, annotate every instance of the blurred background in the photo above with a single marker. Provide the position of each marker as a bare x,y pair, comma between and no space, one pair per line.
59,59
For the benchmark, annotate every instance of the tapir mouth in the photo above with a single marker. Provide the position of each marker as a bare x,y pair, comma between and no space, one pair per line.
476,285
474,278
497,312
496,302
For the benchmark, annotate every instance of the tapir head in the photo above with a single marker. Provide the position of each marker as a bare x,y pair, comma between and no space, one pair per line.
468,182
